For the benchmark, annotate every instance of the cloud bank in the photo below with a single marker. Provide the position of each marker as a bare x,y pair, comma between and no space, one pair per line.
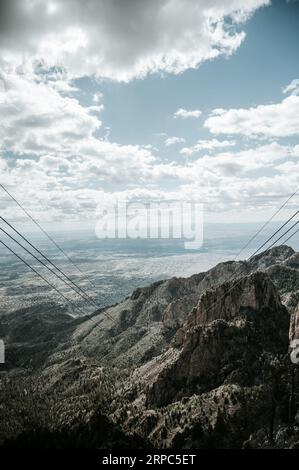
270,120
121,39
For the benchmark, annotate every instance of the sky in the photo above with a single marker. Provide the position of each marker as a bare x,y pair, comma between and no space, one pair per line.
148,101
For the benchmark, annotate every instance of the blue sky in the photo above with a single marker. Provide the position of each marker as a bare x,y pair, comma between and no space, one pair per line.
89,97
265,62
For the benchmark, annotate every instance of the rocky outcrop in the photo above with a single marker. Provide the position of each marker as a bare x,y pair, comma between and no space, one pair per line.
278,255
225,302
294,325
223,339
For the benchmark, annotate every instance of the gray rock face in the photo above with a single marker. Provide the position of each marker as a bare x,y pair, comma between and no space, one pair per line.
227,331
226,301
294,325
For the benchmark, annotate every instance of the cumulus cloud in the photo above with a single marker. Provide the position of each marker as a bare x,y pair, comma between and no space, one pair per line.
121,40
270,120
53,157
289,168
97,97
184,113
56,155
174,140
293,87
73,186
242,161
53,140
233,165
35,118
211,144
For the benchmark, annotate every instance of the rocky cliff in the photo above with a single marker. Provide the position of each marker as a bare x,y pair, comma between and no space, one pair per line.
223,339
294,325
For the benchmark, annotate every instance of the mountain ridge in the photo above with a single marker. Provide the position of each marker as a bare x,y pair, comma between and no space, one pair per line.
176,367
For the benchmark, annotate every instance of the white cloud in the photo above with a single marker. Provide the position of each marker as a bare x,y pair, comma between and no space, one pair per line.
54,152
62,86
69,188
96,108
54,159
184,113
235,165
125,39
52,140
174,140
271,120
211,144
97,97
289,168
293,87
35,118
261,157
